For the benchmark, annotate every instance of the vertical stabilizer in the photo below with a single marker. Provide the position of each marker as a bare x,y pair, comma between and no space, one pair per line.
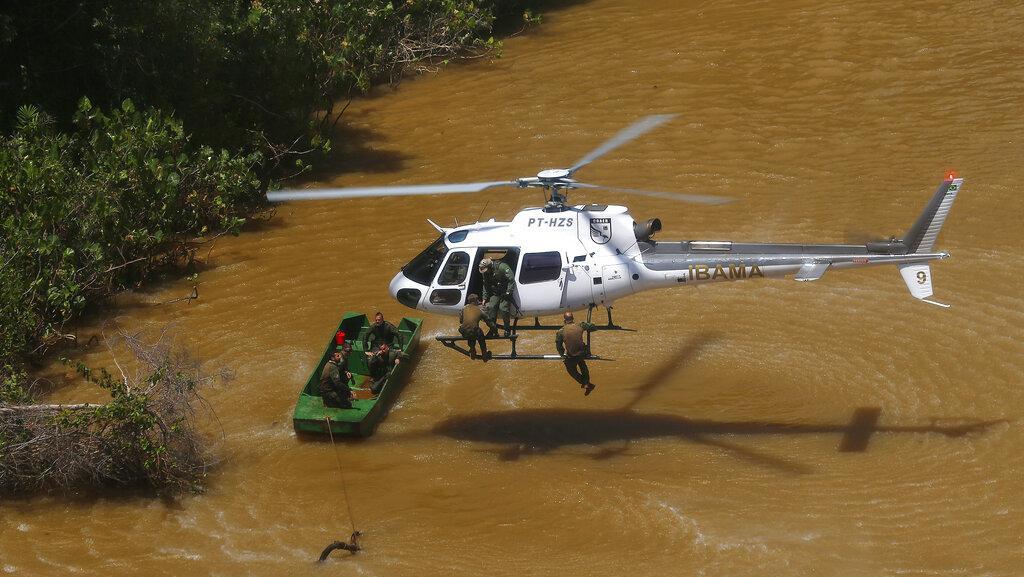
921,237
918,278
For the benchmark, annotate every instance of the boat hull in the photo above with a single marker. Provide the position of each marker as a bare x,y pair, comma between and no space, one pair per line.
312,417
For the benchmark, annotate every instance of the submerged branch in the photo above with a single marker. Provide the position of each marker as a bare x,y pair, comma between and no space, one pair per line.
9,409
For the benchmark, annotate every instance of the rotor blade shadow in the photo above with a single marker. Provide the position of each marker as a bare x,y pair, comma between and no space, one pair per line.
755,457
515,452
670,366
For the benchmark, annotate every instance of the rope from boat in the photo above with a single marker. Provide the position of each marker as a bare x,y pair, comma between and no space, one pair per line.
341,473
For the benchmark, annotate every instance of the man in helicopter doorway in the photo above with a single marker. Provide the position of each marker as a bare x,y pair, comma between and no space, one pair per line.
469,327
573,350
499,283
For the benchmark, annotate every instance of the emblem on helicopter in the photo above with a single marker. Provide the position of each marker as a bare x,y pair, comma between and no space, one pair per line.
601,230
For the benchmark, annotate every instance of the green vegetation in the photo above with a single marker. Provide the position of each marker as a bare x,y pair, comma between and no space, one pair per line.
98,208
131,132
236,72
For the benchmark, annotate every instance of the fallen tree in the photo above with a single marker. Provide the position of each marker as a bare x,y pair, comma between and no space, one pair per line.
144,436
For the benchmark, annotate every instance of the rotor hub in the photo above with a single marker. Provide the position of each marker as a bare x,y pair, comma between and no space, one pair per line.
553,174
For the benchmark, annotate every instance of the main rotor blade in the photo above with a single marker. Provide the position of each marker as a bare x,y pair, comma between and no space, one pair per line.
625,135
695,198
403,190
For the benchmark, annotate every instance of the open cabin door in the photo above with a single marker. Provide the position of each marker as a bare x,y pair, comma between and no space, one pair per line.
541,282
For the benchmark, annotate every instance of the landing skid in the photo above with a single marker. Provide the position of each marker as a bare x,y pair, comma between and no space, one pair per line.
450,341
536,326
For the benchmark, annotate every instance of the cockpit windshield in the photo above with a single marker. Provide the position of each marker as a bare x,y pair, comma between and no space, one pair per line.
423,268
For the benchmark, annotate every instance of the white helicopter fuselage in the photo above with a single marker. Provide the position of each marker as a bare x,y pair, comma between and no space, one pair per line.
573,257
568,258
559,263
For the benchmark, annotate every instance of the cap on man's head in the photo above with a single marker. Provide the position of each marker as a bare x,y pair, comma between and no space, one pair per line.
485,263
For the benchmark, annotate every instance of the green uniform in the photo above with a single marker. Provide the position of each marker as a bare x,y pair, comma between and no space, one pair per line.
384,332
333,390
572,348
499,282
469,327
380,366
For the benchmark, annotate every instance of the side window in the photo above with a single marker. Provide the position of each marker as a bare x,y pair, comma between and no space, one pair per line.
540,267
458,236
445,297
456,270
422,268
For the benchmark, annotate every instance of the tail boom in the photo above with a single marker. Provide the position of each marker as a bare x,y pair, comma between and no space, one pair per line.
696,262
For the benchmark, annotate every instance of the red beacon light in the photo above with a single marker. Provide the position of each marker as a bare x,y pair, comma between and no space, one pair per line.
951,174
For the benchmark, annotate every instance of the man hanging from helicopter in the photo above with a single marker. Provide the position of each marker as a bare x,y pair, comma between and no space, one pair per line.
572,348
499,282
469,327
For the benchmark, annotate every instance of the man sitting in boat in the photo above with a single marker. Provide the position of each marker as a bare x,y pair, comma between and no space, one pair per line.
335,392
379,362
346,352
383,332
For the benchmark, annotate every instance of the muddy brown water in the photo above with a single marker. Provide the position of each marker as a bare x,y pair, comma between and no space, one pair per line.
765,428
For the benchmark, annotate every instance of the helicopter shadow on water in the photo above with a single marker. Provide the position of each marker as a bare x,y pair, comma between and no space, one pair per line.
527,432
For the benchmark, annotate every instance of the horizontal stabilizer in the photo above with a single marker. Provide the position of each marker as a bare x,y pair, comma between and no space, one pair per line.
812,271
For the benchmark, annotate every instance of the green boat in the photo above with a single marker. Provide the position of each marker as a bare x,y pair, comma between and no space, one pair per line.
311,416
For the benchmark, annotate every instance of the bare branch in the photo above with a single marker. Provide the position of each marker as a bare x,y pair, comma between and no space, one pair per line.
146,435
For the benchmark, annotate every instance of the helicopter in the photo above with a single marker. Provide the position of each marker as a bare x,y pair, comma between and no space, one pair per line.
577,257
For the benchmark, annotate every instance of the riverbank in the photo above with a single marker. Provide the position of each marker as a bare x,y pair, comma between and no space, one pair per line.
131,162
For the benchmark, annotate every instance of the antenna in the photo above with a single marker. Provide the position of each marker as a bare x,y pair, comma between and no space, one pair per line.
482,210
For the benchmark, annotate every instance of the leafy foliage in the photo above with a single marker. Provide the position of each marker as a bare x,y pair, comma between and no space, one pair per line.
235,71
97,209
95,198
14,388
